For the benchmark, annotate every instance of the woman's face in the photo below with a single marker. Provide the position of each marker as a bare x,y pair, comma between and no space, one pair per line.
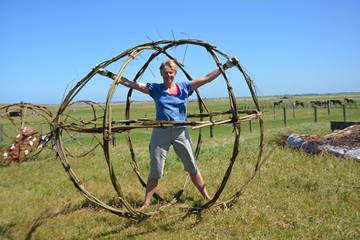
168,74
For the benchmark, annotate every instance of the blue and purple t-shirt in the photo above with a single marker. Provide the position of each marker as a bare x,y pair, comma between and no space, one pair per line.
168,107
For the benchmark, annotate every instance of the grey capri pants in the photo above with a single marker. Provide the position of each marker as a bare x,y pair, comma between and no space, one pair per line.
161,140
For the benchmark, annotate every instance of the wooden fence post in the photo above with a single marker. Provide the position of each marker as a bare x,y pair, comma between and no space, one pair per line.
1,132
274,112
315,113
293,107
211,128
285,119
113,140
52,139
250,126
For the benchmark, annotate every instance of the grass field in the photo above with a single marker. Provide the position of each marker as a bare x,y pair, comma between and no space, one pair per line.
295,196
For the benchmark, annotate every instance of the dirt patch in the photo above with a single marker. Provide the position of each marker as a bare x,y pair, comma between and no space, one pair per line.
348,138
345,143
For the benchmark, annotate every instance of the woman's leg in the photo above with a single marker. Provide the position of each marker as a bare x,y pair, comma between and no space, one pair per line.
199,184
183,148
159,147
150,190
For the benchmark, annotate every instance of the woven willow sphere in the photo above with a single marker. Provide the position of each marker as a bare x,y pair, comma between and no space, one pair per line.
25,130
104,128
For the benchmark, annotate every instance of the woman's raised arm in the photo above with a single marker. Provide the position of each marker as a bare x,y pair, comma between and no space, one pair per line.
125,81
195,84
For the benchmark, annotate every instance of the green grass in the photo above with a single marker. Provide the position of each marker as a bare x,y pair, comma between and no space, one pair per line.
295,196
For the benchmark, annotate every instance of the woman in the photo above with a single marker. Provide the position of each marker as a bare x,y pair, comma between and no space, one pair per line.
171,100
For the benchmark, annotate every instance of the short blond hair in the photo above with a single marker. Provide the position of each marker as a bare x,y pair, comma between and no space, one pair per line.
169,62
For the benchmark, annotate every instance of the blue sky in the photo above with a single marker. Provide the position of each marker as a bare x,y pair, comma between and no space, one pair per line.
288,47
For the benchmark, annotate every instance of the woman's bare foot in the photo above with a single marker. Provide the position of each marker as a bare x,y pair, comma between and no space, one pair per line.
143,207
